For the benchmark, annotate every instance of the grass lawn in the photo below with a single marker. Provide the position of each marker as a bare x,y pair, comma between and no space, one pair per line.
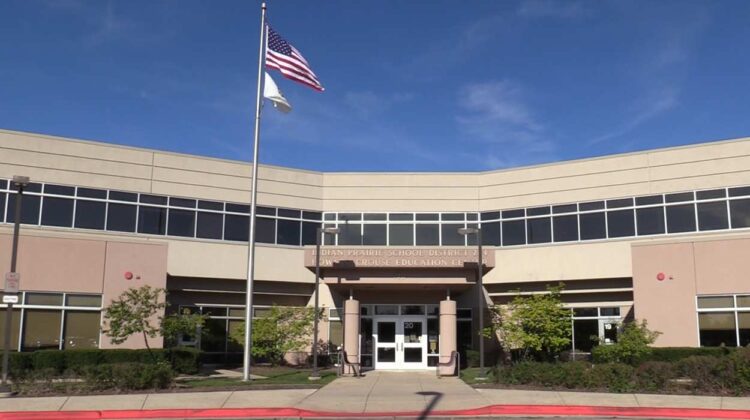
469,376
280,376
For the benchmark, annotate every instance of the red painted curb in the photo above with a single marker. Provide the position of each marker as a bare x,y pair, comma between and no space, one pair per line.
497,410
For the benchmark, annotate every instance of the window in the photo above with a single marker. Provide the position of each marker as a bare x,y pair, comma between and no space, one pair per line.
2,206
57,212
717,329
514,232
374,234
81,330
181,223
491,234
450,233
121,217
288,232
90,214
720,323
593,226
265,230
41,329
309,230
565,228
401,235
236,227
740,210
539,230
620,223
152,220
712,215
29,209
349,234
650,220
428,234
15,328
681,218
210,225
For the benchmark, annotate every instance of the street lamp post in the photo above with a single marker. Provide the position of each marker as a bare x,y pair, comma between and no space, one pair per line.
319,234
480,294
20,183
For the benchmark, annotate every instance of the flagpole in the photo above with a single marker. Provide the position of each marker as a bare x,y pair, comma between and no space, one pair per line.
253,198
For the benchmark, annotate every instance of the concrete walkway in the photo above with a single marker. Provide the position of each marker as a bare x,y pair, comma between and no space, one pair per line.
378,393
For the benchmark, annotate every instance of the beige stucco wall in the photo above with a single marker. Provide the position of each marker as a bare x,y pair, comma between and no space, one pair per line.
691,268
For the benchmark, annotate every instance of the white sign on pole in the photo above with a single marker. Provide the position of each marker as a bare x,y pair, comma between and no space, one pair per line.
10,298
12,282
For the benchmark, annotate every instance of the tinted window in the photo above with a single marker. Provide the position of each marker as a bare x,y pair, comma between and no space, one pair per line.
374,234
564,208
739,191
181,223
312,215
651,199
209,225
453,216
677,197
58,189
57,212
712,216
740,210
427,216
290,213
709,194
491,215
514,233
539,231
401,235
152,220
620,223
350,216
537,211
350,234
121,217
681,218
650,220
238,208
400,216
32,187
593,226
566,228
491,233
182,202
593,205
622,202
29,209
509,214
2,206
265,230
123,196
153,199
236,227
472,216
210,205
428,235
92,193
90,214
288,232
451,235
308,232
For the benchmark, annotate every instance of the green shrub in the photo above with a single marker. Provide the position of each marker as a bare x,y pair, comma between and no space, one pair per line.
615,377
19,364
604,354
77,360
185,359
132,356
575,374
654,376
632,345
129,376
52,360
741,361
709,374
674,354
472,358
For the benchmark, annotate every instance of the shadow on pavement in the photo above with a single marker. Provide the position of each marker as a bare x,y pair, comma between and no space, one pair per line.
436,396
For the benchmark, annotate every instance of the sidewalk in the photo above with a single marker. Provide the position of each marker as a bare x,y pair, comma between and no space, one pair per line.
379,394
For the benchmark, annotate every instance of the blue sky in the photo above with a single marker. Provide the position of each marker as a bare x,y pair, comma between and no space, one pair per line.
410,85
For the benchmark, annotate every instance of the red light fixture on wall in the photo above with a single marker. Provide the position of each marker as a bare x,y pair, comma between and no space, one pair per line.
660,277
128,275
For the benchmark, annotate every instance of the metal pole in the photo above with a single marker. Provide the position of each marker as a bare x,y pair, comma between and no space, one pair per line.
480,303
315,374
9,309
253,198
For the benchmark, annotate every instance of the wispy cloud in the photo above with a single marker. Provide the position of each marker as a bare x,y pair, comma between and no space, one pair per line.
553,9
661,75
497,114
368,103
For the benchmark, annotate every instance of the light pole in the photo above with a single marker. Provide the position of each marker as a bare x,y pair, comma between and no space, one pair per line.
480,294
318,235
20,183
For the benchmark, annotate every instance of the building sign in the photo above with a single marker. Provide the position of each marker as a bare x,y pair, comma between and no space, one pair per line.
398,257
12,282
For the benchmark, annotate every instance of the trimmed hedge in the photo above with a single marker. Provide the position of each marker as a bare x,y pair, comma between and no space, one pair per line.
129,376
182,360
725,374
608,354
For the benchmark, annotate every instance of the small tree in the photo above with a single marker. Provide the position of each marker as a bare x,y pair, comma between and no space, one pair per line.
134,312
284,329
176,326
537,325
633,345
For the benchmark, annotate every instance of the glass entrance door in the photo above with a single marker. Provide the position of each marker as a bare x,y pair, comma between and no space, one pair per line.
386,345
400,342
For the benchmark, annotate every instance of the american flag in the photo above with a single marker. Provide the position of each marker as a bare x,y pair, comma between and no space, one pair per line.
282,56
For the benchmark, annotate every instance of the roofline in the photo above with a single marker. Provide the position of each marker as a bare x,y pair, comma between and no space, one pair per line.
317,172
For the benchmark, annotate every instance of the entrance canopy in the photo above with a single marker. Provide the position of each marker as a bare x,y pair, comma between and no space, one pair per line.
394,267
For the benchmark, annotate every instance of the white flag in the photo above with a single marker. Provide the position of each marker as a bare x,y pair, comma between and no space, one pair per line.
272,92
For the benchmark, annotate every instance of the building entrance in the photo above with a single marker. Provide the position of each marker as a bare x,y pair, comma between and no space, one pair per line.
400,342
